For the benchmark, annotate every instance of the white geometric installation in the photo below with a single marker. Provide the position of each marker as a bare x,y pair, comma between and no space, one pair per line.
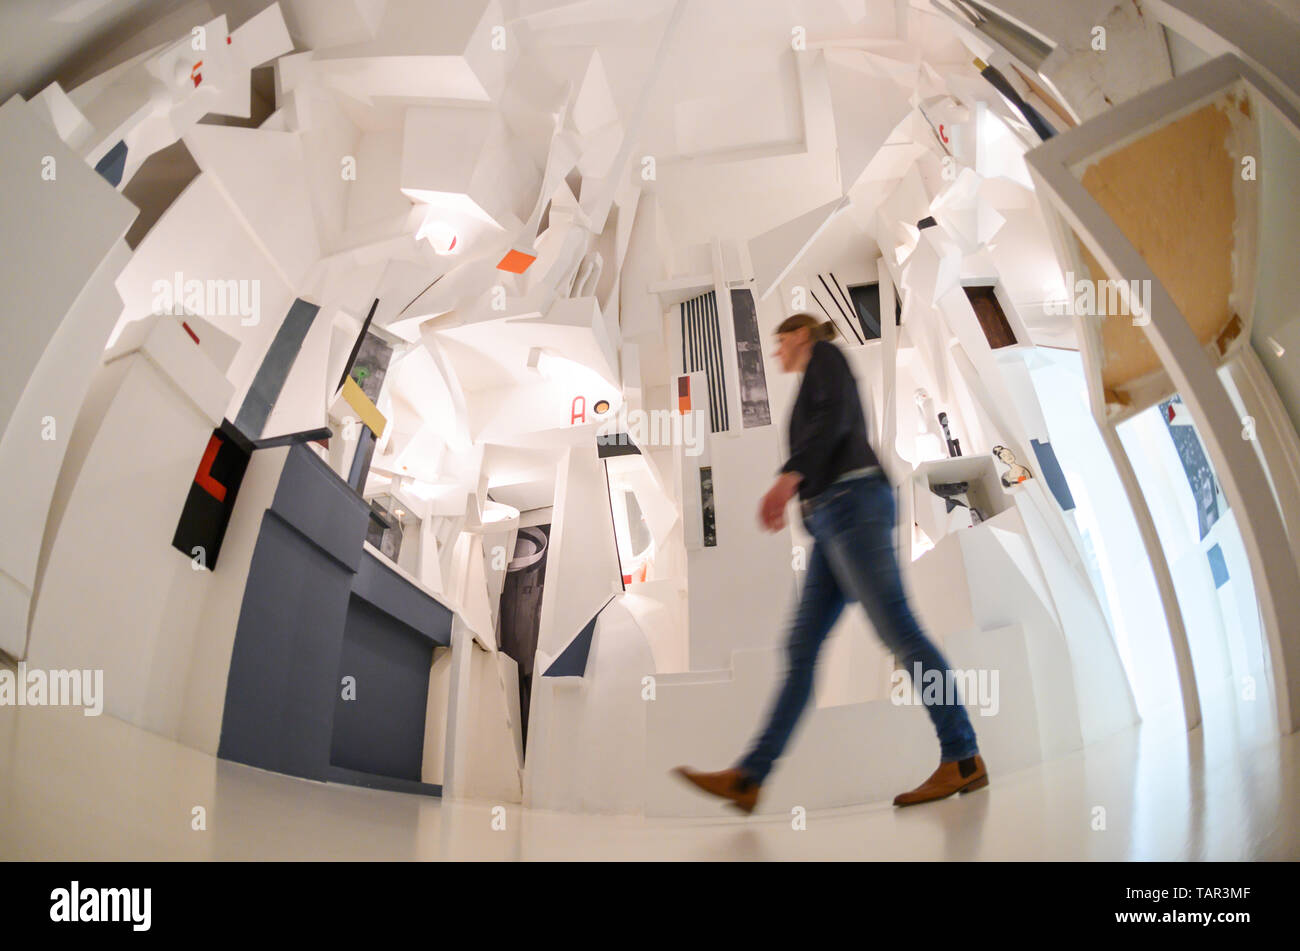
504,189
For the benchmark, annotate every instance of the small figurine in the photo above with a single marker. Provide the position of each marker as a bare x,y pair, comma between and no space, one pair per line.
954,447
1017,473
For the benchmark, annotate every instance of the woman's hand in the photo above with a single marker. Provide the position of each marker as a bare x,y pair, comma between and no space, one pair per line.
771,511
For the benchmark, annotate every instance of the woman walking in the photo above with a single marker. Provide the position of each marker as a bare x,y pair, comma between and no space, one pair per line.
848,508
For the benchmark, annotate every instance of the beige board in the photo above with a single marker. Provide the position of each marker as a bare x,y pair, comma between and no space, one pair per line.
1172,194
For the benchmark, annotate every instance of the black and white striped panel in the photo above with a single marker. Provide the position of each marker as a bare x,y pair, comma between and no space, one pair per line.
702,350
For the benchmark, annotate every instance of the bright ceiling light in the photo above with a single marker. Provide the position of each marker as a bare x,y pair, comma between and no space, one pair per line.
439,234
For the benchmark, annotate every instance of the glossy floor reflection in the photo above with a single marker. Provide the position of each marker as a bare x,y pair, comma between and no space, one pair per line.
94,788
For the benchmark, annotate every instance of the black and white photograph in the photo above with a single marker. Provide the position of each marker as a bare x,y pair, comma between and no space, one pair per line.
749,354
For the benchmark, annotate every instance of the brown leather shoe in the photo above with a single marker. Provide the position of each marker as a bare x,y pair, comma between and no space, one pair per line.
730,784
945,781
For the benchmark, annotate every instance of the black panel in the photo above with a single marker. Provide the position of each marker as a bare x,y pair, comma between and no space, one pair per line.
609,445
866,301
321,435
205,517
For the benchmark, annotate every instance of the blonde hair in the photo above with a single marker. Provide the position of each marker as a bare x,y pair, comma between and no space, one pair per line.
817,329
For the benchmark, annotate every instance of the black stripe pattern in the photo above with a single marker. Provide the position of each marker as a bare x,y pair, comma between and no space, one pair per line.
702,350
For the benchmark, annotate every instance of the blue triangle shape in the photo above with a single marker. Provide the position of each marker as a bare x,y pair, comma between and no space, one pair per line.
572,661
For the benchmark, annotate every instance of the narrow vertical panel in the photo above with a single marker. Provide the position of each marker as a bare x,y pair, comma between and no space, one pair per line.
754,406
361,459
706,507
269,380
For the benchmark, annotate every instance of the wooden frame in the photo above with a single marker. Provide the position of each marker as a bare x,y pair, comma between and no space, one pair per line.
1244,480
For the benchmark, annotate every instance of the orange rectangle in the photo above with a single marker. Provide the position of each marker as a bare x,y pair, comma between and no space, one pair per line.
516,262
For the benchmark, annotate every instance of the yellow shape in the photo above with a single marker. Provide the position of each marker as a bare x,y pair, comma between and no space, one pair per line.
369,413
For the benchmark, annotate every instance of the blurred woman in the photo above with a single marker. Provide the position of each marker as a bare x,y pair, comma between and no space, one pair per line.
847,506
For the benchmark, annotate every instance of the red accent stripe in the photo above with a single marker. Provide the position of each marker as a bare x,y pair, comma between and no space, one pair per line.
203,478
189,331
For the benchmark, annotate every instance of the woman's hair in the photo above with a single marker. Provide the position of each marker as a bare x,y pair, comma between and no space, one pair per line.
817,329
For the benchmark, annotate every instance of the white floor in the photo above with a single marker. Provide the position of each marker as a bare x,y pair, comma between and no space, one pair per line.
94,788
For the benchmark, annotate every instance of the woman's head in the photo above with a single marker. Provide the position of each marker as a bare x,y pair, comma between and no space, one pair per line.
795,338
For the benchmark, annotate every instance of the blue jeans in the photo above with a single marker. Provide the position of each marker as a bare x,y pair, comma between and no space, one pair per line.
853,559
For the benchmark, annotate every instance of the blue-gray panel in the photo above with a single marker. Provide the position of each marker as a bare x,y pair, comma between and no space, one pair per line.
1218,566
390,592
572,661
361,458
283,670
313,499
380,730
1053,474
274,370
337,774
113,164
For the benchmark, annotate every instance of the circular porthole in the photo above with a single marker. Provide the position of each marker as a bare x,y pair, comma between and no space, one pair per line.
601,407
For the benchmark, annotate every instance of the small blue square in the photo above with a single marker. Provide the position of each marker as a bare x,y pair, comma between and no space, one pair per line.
1218,567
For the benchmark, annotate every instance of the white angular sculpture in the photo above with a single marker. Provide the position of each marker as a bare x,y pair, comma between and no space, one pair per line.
64,226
